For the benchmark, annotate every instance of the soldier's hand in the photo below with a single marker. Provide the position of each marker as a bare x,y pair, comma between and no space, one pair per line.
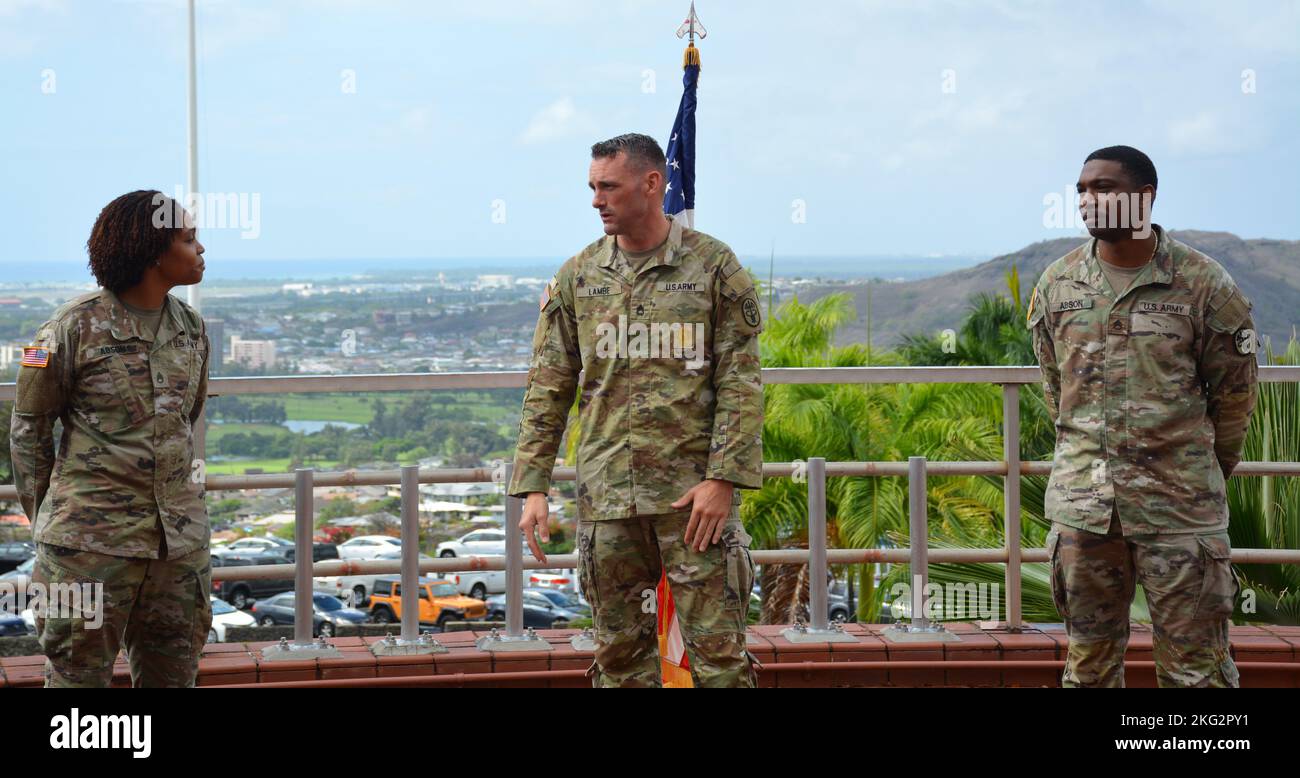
710,502
536,514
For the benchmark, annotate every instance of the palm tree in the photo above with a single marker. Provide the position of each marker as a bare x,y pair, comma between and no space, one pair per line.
1266,510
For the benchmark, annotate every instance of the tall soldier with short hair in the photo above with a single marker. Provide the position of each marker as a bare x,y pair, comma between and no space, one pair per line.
117,508
1148,356
663,322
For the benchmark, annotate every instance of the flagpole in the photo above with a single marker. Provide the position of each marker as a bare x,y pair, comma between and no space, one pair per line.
192,291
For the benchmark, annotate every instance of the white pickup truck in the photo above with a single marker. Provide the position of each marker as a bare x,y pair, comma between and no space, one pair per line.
354,590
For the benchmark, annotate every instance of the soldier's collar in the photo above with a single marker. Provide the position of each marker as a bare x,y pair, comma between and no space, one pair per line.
121,323
1162,263
173,323
672,254
124,326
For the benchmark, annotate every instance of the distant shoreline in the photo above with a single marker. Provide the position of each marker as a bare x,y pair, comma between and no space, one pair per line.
19,274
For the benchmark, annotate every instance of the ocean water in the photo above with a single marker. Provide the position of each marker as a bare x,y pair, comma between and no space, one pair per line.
840,268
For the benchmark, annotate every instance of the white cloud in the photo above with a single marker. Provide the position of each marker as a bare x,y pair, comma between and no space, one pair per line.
560,119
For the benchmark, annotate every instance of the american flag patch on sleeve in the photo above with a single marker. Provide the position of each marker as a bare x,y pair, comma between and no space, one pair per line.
34,356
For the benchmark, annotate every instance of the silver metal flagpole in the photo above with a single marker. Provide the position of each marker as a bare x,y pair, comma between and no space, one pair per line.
192,184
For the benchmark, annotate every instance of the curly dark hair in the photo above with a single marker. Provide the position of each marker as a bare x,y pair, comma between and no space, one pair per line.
130,235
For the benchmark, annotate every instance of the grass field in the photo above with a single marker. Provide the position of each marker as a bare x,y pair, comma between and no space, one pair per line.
218,431
267,466
329,407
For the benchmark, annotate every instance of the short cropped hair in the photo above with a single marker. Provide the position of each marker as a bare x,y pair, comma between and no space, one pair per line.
642,150
1138,165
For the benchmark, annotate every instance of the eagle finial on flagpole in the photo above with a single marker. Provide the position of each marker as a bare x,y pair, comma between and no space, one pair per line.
692,27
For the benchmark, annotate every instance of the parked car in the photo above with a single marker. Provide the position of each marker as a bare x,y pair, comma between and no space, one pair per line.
564,581
439,602
13,582
837,602
241,593
319,551
368,546
480,542
355,589
15,553
480,583
246,546
570,601
12,625
327,613
226,615
540,610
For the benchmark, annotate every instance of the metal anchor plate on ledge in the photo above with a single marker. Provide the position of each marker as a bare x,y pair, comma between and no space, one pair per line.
284,651
496,641
906,633
802,633
394,646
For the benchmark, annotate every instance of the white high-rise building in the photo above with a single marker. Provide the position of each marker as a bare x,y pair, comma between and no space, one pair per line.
256,353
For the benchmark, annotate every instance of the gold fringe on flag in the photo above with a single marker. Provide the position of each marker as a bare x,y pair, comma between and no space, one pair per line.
691,57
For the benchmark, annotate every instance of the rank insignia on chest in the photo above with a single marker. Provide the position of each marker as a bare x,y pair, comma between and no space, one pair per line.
34,356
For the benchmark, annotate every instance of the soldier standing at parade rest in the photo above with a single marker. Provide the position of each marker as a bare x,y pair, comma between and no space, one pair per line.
120,507
663,323
1147,350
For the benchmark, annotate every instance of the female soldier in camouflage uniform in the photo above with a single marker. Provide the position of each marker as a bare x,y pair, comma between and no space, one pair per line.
120,524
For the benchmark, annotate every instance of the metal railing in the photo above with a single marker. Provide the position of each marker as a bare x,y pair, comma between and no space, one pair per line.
817,556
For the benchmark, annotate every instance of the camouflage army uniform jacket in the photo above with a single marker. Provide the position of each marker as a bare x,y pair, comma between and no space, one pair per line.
653,424
1151,393
128,402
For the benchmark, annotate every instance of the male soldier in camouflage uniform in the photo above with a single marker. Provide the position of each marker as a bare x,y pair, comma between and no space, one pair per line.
125,370
1148,356
663,322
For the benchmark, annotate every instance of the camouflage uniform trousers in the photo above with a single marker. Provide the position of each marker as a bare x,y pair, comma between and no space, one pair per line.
1190,590
158,608
620,563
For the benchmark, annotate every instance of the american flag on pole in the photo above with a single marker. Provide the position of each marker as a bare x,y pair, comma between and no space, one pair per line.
679,194
679,202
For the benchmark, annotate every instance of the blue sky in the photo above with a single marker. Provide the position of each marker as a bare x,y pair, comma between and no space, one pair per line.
839,105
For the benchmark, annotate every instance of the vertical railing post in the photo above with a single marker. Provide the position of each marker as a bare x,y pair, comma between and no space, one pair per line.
515,638
817,586
918,538
514,562
819,629
304,605
410,642
918,541
304,508
1011,499
410,552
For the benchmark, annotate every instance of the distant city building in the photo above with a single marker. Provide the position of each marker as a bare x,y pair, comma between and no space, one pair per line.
496,282
255,353
303,289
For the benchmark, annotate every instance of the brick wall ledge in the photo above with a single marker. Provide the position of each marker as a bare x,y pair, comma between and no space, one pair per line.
1267,656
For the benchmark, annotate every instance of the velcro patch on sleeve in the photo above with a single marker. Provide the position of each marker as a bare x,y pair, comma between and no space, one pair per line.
35,356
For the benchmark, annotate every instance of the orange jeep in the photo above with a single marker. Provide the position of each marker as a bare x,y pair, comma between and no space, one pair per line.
439,602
